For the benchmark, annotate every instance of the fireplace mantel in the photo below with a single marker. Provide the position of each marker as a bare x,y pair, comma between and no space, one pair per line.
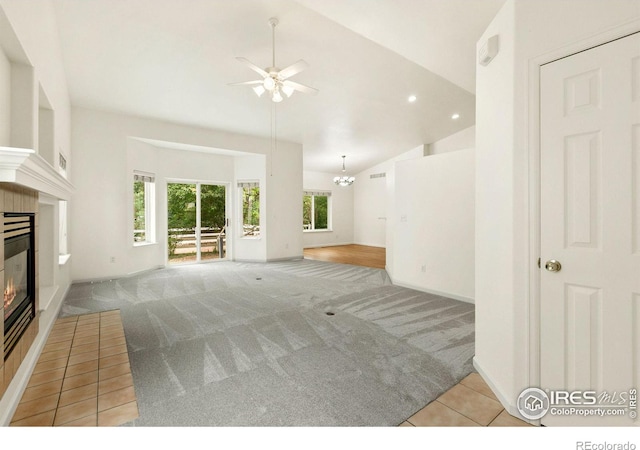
25,167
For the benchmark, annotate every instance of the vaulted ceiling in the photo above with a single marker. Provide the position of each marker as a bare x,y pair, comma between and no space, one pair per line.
174,59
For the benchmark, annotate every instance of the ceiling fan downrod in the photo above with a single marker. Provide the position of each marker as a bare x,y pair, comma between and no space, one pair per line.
273,22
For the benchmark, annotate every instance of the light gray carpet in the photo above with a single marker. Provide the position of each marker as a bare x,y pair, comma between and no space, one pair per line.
241,344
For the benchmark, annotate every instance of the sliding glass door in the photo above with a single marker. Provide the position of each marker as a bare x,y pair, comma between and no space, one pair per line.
212,221
196,218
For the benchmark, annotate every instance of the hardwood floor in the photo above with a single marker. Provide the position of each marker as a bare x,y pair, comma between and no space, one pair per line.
359,255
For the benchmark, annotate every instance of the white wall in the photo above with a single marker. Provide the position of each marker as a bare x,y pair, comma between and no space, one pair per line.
249,168
341,201
5,100
283,188
457,141
505,112
494,208
101,206
373,202
370,205
434,233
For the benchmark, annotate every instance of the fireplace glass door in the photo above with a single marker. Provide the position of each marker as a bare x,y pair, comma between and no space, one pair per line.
19,277
15,278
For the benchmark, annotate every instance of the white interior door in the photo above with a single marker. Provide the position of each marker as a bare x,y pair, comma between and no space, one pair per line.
590,223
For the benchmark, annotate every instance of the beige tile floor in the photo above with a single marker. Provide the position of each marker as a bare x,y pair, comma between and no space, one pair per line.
470,403
83,376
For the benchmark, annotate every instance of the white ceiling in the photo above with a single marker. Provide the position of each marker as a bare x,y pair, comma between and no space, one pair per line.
173,60
440,35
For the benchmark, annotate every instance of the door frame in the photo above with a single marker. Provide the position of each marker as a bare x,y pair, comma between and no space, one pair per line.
534,178
227,212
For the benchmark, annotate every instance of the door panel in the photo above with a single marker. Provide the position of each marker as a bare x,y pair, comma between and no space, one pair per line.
182,222
582,161
213,201
590,222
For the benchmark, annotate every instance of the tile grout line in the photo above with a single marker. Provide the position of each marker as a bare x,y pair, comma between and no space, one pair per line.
461,413
64,424
64,374
481,393
98,385
493,420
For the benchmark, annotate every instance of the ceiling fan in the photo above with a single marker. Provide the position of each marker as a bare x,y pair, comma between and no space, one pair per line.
276,81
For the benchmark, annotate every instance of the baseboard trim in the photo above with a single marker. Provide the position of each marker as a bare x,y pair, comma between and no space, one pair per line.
510,407
370,245
328,245
286,258
143,271
47,294
11,398
263,261
462,298
115,277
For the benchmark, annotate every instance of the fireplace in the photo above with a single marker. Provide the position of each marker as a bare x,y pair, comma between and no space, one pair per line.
19,277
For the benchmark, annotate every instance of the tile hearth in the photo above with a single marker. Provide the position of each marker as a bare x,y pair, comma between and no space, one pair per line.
83,376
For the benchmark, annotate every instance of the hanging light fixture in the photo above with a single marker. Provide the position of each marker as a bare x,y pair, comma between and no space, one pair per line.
344,180
276,96
275,81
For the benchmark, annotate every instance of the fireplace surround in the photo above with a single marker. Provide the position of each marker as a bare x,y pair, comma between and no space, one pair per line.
19,214
19,277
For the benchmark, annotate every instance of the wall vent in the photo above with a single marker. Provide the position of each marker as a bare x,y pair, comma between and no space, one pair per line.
378,175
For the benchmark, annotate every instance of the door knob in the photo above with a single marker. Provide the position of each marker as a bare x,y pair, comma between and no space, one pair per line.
553,266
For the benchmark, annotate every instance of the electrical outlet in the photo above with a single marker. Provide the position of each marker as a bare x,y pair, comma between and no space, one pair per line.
113,259
423,268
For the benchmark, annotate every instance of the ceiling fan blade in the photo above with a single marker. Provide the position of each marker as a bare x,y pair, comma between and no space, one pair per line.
293,69
300,87
251,65
242,83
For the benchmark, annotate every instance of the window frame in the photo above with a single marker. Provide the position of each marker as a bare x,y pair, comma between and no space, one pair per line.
313,195
249,184
149,208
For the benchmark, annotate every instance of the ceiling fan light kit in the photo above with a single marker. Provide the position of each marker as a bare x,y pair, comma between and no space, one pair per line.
344,180
276,81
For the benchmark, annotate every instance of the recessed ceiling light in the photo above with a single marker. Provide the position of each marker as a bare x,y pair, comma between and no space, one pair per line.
455,116
412,98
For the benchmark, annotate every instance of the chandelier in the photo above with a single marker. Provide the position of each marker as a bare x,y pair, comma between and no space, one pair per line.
344,180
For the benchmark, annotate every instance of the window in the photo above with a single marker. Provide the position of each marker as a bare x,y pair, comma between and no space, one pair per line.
315,210
250,192
143,208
